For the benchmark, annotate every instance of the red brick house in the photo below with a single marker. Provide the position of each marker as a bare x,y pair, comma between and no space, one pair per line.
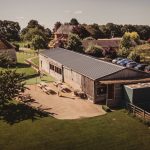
61,35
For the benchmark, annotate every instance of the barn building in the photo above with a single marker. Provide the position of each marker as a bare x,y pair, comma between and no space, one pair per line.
100,80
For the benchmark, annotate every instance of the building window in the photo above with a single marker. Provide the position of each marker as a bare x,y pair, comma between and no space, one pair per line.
58,70
101,90
51,66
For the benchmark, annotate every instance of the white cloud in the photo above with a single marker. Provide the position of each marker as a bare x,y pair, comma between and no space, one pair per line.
78,12
67,11
19,18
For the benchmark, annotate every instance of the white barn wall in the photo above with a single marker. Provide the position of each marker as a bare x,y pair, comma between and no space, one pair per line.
45,67
72,78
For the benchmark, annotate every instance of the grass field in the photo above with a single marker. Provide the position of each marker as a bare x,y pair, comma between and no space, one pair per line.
35,61
114,131
30,73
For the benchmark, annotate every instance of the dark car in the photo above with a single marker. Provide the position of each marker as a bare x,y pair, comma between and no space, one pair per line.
140,67
116,59
147,69
131,64
124,63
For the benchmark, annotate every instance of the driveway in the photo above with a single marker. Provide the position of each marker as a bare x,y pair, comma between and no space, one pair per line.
64,107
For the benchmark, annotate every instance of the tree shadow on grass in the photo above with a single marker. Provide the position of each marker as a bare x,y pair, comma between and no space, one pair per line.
14,113
20,65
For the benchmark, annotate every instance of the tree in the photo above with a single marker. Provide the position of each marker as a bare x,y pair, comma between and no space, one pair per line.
126,41
38,42
35,29
94,31
9,30
74,43
134,56
56,26
13,86
81,31
94,50
74,22
123,52
135,37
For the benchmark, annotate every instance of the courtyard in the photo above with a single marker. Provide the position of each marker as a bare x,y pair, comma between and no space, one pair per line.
65,107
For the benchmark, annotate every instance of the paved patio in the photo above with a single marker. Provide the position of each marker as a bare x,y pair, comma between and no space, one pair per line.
63,107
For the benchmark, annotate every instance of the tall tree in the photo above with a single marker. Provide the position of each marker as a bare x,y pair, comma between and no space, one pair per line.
74,21
38,42
126,41
81,31
56,26
94,31
33,30
74,43
9,30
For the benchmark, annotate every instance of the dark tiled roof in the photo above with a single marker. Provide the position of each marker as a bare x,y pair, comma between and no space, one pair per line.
83,64
64,29
105,43
5,44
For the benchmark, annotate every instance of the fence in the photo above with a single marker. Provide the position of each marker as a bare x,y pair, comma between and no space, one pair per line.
138,112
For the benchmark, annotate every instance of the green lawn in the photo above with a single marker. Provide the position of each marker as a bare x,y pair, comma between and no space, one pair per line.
114,131
36,61
30,73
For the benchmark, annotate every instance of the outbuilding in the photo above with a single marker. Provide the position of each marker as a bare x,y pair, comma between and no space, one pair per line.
8,49
97,78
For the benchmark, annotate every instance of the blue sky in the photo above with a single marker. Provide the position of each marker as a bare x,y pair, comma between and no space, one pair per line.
47,12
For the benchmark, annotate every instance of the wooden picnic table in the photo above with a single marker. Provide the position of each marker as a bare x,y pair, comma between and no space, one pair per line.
64,88
48,88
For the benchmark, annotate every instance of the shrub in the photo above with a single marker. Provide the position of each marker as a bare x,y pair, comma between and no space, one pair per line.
74,43
16,47
5,60
95,50
123,52
134,56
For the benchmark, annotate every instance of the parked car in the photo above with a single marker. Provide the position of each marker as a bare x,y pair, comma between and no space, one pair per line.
131,64
116,59
140,67
125,62
118,62
147,69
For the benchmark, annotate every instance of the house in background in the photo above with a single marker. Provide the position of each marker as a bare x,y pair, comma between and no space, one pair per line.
100,80
61,35
107,44
9,49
